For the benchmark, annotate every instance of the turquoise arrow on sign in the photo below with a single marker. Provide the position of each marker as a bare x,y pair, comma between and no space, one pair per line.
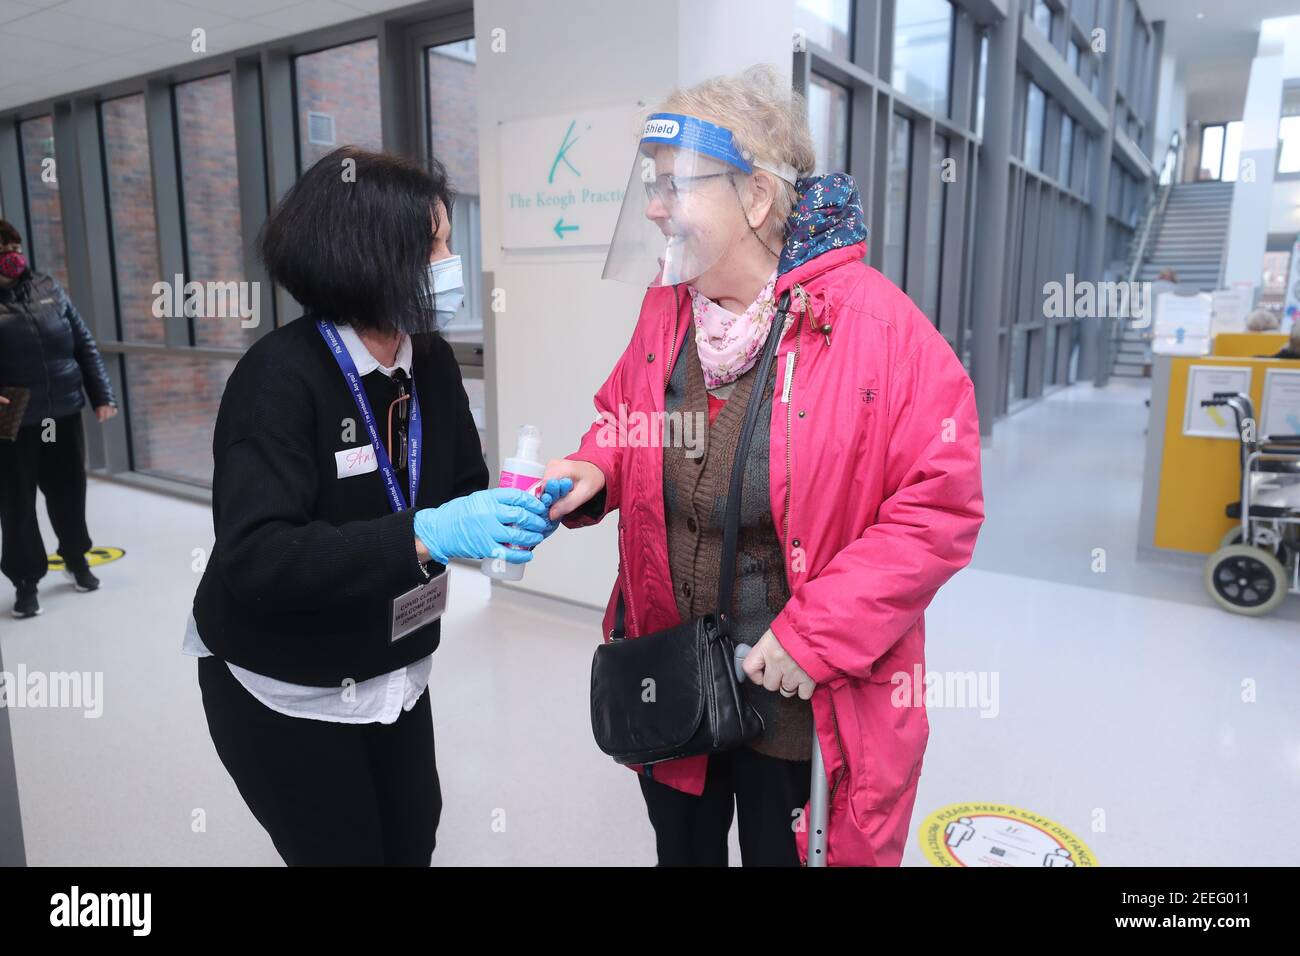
561,228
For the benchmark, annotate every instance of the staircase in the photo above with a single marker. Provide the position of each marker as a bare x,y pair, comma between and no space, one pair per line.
1191,235
1185,229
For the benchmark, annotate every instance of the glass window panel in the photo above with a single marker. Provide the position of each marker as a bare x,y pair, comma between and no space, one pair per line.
172,408
1018,379
934,219
129,179
922,50
1085,12
338,100
453,116
1043,18
451,85
1288,134
214,254
1049,352
828,115
1067,150
826,23
1211,153
45,245
897,183
1085,175
983,84
1072,56
1232,151
453,140
1035,114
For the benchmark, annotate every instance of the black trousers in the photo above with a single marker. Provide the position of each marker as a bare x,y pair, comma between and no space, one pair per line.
328,793
768,794
58,468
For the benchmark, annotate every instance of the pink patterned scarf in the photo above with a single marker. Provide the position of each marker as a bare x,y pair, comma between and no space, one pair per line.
729,344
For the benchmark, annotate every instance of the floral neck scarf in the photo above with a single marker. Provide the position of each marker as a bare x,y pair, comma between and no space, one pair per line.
729,344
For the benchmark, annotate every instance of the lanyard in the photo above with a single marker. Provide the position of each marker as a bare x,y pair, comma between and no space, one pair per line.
331,336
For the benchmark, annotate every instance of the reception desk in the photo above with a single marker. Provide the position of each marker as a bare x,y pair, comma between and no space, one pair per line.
1190,476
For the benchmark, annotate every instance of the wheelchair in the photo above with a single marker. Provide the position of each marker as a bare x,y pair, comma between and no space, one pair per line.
1258,561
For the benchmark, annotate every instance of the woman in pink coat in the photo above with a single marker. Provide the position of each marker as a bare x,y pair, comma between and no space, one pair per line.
861,498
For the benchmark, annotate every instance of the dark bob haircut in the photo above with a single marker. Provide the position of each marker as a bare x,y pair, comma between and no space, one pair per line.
9,236
351,239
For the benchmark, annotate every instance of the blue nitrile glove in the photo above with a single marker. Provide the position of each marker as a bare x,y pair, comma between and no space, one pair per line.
479,525
556,488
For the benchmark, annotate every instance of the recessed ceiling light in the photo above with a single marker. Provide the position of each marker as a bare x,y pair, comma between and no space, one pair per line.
1200,16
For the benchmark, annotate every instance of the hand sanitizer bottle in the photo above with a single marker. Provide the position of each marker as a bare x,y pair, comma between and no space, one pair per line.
523,470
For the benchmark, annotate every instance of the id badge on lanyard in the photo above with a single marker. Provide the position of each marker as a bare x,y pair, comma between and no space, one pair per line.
426,603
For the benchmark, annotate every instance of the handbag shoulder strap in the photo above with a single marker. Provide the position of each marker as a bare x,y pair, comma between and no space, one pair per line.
731,523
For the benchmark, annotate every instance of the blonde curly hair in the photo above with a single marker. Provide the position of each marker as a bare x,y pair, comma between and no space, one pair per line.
768,120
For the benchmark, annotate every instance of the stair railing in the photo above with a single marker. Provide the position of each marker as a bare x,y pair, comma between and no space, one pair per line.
1154,214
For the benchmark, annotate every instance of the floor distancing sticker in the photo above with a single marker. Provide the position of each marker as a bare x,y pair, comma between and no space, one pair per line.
94,557
994,834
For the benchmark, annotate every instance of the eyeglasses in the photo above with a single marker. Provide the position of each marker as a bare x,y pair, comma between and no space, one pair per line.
401,404
666,186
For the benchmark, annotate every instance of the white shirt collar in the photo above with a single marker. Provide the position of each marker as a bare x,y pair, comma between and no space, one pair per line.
367,363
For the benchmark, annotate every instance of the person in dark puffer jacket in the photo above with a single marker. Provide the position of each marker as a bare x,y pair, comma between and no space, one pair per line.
45,348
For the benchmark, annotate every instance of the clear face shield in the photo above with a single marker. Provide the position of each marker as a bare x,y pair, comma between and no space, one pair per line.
681,211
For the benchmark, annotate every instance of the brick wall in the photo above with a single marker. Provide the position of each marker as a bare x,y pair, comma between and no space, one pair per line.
341,82
205,127
172,402
45,244
453,114
130,202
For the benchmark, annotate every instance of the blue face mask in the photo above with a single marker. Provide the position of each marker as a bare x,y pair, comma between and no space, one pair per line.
448,288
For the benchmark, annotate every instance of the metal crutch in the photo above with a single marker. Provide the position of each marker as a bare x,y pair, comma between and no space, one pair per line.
818,800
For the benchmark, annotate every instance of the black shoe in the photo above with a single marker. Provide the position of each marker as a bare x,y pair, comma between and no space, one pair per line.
26,604
84,580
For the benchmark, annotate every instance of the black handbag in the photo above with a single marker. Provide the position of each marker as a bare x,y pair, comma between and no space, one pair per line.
674,693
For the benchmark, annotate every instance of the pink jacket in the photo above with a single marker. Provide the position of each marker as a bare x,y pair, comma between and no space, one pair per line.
875,489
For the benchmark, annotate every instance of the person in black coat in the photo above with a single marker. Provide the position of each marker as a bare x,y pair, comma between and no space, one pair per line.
347,474
46,350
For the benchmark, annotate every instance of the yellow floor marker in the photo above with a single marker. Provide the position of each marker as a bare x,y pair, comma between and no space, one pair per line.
994,834
94,557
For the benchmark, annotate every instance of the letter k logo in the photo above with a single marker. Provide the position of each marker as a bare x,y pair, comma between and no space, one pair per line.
561,156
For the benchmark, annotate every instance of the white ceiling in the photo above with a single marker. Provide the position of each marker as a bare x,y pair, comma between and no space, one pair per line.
1214,29
52,47
1214,42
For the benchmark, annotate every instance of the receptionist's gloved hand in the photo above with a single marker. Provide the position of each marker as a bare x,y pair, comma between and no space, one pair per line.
480,525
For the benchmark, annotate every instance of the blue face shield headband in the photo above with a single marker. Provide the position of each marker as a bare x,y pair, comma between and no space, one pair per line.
673,225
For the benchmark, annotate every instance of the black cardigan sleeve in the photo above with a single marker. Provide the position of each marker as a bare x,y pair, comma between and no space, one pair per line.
265,480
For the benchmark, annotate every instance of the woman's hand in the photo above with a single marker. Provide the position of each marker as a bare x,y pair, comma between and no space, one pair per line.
551,492
588,480
105,412
769,664
479,525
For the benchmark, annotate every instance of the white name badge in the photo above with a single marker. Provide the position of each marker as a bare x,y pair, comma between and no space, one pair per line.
355,461
419,607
